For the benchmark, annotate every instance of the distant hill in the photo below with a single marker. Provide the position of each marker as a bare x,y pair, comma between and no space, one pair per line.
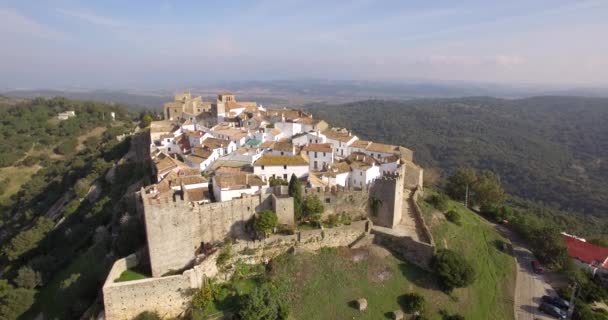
135,101
548,149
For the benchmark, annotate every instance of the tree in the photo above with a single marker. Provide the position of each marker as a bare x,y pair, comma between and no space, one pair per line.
28,278
67,147
295,191
458,184
14,301
277,181
412,302
265,302
313,208
440,201
487,190
452,270
265,222
146,119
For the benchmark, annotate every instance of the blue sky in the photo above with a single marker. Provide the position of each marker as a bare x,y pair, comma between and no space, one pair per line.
156,44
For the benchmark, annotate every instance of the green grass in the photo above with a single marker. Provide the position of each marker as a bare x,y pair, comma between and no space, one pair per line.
324,285
130,275
16,176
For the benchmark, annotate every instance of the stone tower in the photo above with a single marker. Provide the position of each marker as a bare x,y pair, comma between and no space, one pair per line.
169,236
388,190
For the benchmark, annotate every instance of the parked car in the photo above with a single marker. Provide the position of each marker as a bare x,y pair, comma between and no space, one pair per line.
537,267
552,310
557,301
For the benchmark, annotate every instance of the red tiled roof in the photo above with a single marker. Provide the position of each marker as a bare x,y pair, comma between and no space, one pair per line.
586,252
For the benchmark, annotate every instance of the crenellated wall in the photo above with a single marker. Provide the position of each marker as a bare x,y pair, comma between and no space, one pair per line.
176,228
170,296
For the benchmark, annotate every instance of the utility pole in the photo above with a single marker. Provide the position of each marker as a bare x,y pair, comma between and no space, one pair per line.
572,297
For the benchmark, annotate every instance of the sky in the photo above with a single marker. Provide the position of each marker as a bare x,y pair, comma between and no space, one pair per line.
154,44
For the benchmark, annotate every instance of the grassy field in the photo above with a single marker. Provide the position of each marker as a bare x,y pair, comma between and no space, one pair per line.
130,275
323,286
16,177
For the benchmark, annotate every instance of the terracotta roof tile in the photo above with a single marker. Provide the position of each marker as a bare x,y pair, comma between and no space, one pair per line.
271,160
319,147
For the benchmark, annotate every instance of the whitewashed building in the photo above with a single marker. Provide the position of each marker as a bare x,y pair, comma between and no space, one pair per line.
281,167
320,156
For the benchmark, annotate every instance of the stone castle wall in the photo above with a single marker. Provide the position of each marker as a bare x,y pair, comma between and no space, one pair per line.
170,296
176,228
339,200
416,252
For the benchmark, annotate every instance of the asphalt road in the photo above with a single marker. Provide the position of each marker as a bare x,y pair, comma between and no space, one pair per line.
529,288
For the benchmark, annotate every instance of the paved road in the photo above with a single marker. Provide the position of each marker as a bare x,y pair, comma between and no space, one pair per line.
529,287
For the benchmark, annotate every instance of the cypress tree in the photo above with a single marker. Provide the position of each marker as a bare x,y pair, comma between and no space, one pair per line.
295,191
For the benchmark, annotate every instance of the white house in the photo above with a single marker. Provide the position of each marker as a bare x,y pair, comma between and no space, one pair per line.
279,148
320,155
288,128
201,157
341,139
389,164
273,134
364,170
238,136
222,146
337,174
280,167
196,138
308,138
231,186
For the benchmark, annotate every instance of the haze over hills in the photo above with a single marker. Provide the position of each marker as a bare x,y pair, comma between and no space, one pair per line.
549,149
297,92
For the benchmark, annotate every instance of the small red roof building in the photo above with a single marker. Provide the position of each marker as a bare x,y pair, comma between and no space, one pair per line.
586,252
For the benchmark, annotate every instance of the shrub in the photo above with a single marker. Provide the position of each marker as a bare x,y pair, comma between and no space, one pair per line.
412,302
28,278
265,222
277,181
440,201
224,255
454,217
264,302
452,270
345,218
203,298
333,220
148,315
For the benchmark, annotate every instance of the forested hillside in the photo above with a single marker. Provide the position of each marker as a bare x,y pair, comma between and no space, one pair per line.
553,150
63,220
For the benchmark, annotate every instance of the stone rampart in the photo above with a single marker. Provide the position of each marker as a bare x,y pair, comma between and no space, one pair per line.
169,296
426,234
337,200
413,251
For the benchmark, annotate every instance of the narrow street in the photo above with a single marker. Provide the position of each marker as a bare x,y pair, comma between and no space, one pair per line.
529,287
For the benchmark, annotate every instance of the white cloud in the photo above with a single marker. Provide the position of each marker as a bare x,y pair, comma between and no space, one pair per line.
13,23
92,18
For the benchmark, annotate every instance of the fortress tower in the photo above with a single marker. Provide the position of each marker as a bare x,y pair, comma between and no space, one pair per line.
169,236
387,191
